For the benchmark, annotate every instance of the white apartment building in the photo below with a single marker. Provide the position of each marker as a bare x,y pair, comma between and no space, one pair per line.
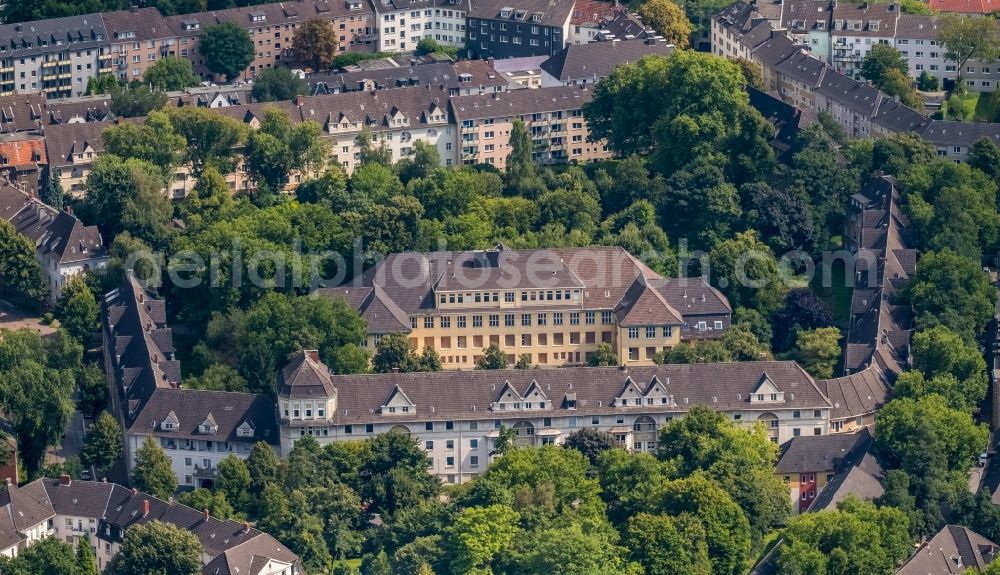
402,24
457,416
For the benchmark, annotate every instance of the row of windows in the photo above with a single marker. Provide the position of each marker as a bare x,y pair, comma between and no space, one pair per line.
667,331
509,320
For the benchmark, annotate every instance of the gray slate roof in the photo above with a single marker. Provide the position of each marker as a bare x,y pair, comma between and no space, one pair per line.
951,551
305,377
57,235
598,59
450,395
820,453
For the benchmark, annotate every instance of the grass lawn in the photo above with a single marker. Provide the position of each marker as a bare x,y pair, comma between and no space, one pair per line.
984,110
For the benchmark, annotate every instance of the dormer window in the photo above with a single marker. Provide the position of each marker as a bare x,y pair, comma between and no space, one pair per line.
245,430
766,392
209,426
397,403
170,423
505,12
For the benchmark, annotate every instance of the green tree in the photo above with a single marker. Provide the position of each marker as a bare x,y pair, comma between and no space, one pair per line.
666,545
20,271
743,344
263,464
727,533
818,350
393,474
879,61
77,309
102,84
984,155
135,101
103,446
37,378
277,84
429,45
315,43
493,358
857,537
154,141
571,551
629,481
520,177
952,291
393,353
127,195
92,390
211,137
939,352
226,48
927,82
591,442
376,564
171,73
966,38
739,459
603,356
158,548
218,377
153,472
202,499
747,272
86,564
47,555
52,192
233,479
900,85
909,426
682,107
478,535
668,19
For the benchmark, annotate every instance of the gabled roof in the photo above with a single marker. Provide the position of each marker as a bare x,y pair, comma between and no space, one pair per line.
57,235
598,59
449,395
952,550
305,377
821,453
644,305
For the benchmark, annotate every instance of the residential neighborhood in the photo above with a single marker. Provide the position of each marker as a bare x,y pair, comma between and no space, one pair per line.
388,287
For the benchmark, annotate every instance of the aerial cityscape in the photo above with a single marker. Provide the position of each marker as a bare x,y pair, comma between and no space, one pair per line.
499,287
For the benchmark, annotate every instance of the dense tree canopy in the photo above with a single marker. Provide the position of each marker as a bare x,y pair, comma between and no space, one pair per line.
226,48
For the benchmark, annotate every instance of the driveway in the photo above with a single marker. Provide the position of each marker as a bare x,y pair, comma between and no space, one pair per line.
12,318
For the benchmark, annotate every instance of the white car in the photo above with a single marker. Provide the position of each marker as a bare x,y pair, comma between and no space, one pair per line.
982,459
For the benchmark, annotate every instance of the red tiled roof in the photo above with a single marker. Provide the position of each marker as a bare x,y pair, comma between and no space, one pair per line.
23,152
965,6
592,12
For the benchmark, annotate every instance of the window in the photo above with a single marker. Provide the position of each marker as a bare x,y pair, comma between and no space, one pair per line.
633,333
508,297
796,414
449,425
494,320
428,445
428,322
574,318
449,444
477,321
446,321
474,461
449,462
348,429
557,318
650,332
542,319
461,321
718,325
796,432
595,420
473,444
429,426
508,319
605,317
590,317
668,331
369,428
526,319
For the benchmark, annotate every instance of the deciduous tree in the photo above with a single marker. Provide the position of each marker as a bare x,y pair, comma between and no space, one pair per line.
153,472
668,19
103,446
171,73
226,48
158,548
77,309
967,38
315,43
277,84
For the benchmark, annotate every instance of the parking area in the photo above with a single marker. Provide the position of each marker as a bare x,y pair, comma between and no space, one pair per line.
12,318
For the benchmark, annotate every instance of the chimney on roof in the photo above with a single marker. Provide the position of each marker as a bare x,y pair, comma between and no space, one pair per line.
135,491
65,479
145,507
204,514
312,354
246,527
299,100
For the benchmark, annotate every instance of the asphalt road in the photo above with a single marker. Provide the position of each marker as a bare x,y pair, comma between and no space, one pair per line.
72,443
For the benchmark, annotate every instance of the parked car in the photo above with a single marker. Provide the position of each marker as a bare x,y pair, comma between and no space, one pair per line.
982,459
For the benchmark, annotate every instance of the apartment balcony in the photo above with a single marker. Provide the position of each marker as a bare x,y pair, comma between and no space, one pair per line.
470,156
205,472
104,56
106,70
7,69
